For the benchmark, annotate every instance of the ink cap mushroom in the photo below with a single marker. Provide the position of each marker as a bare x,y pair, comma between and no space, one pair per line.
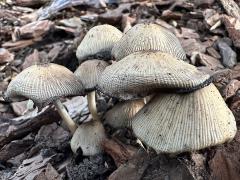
45,84
98,43
143,73
148,37
122,113
175,123
89,135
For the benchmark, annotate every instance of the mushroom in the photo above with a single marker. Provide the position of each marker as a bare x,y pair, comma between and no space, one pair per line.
98,43
44,84
88,136
143,73
148,37
174,123
88,73
122,113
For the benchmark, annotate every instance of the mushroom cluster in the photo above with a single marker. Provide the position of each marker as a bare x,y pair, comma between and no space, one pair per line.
186,111
170,105
92,53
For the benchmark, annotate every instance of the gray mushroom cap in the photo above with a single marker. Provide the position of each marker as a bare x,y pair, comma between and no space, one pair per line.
89,73
44,83
148,37
143,73
174,123
98,43
122,113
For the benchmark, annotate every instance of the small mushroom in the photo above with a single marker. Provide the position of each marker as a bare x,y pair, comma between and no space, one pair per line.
147,37
143,73
98,43
122,113
87,138
174,123
44,84
88,73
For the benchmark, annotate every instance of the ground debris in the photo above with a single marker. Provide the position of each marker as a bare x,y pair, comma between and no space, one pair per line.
118,151
149,166
226,162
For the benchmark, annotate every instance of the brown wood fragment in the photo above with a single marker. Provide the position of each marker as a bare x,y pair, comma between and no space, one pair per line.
231,89
151,166
5,56
48,174
11,130
233,28
226,162
15,148
20,44
28,3
119,151
231,8
32,30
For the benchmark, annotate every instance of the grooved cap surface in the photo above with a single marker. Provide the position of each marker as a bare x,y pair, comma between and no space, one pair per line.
143,73
145,37
44,83
89,72
122,113
98,43
173,123
88,137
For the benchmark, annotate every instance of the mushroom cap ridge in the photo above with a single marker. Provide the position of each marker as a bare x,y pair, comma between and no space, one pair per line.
44,83
98,43
174,123
143,73
148,37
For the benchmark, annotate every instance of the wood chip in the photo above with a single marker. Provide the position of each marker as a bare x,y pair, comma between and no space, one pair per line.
32,30
231,89
119,151
5,56
233,28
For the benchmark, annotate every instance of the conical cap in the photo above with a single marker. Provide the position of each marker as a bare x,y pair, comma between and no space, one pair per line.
145,37
143,73
89,72
173,123
88,138
44,83
98,43
122,113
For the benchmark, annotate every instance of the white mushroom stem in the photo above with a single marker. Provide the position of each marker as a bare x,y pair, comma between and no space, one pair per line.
65,116
91,97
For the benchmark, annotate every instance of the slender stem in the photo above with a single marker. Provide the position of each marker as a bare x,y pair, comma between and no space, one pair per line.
65,116
92,105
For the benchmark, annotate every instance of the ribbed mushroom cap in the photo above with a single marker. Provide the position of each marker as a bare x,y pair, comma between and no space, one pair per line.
145,37
98,43
143,73
88,138
89,72
173,123
122,113
44,84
